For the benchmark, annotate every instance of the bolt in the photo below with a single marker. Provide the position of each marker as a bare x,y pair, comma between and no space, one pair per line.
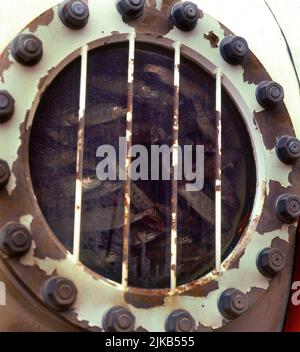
288,149
74,13
131,9
15,239
118,319
234,49
270,262
59,293
288,208
7,106
4,174
269,94
180,321
27,49
233,303
185,15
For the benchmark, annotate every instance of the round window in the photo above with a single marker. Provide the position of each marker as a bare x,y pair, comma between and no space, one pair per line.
53,145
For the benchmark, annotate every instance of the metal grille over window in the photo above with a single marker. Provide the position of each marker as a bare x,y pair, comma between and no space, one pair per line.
154,233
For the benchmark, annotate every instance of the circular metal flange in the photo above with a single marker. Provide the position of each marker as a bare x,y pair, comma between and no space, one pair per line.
17,202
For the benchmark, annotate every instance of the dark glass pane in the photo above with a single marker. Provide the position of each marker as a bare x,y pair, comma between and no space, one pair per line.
196,211
149,260
103,202
52,152
53,160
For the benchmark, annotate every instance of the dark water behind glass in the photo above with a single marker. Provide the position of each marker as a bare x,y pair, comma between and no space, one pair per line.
53,164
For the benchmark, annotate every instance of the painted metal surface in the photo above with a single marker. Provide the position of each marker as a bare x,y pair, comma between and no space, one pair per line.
48,256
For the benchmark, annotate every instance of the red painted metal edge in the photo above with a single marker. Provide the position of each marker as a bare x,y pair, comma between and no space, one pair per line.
293,315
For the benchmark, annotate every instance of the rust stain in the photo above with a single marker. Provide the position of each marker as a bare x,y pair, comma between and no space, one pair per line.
254,72
144,302
202,290
274,124
154,21
42,81
4,63
22,202
213,39
43,20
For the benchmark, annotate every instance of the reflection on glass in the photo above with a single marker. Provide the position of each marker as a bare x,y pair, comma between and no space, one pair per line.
53,165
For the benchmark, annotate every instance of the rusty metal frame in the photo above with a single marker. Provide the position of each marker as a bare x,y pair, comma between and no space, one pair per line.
48,257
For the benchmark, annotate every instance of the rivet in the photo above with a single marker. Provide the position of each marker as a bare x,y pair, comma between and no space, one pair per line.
27,49
269,94
60,293
234,49
180,321
185,15
15,239
74,13
233,303
7,106
118,319
288,149
270,262
131,9
288,208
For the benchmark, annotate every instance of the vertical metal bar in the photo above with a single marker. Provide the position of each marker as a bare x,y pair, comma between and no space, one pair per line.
218,201
127,204
175,163
80,147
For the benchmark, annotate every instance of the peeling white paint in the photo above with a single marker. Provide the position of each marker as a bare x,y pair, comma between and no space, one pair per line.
2,294
95,297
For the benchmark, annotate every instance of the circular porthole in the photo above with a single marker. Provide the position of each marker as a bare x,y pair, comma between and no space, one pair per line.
103,253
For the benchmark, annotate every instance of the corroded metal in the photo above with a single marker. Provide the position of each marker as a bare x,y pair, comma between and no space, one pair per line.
47,256
175,164
79,158
129,127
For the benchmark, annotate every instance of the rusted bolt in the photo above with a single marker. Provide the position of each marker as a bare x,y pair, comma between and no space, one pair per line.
59,293
4,174
131,9
118,319
74,13
7,106
185,15
233,303
288,149
269,94
15,239
180,321
288,208
234,49
27,49
270,262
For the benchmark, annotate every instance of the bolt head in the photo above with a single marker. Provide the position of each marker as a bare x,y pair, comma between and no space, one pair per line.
180,321
27,49
288,208
234,49
59,293
185,15
4,174
7,106
15,239
233,303
288,149
118,319
269,94
131,9
74,13
270,262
